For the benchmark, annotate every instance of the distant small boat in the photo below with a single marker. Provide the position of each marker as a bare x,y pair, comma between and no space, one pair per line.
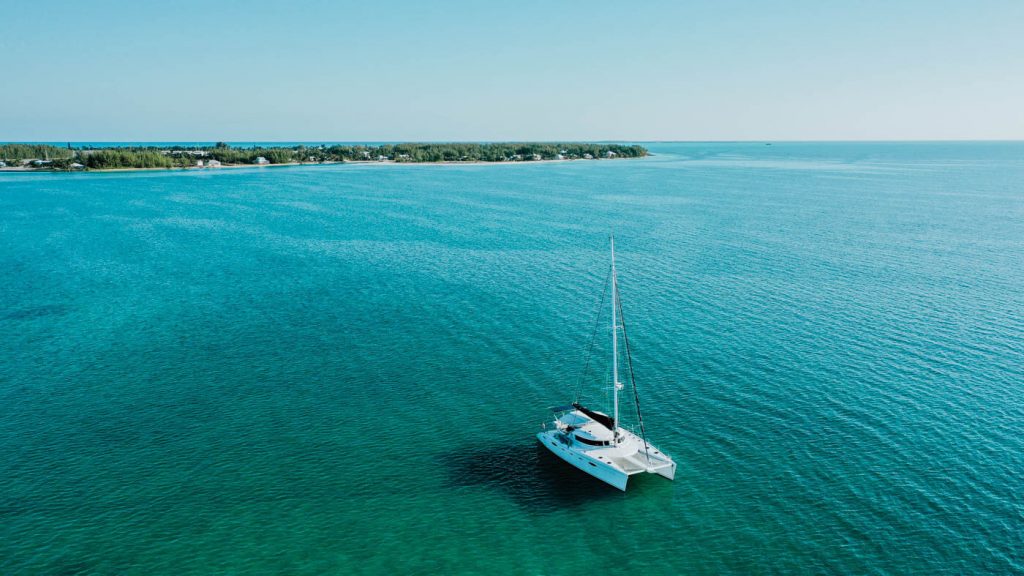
595,442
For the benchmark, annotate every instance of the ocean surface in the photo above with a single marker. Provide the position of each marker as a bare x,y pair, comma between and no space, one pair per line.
341,369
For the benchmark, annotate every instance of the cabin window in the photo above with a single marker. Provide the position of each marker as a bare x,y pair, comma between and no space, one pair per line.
590,442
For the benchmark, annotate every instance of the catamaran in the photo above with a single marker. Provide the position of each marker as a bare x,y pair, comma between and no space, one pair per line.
595,442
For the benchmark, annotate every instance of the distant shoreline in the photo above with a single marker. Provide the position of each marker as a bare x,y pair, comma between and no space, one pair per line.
16,157
34,170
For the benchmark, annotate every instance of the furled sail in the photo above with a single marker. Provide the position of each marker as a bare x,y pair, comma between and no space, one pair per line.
602,419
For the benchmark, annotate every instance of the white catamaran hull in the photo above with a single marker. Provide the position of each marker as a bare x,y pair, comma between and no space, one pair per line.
613,464
583,461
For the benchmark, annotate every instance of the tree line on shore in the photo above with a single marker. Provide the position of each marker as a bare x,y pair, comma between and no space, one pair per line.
56,157
16,152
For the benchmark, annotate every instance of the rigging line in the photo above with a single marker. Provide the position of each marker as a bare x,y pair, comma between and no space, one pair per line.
632,378
593,337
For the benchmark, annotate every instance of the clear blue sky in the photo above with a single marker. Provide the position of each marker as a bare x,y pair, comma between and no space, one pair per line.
523,70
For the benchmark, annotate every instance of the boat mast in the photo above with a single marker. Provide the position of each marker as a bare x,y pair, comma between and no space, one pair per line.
615,349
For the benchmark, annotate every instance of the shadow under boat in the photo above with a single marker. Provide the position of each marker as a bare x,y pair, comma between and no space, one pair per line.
529,474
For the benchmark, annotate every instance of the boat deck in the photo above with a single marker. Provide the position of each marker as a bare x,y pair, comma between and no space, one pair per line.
650,460
637,463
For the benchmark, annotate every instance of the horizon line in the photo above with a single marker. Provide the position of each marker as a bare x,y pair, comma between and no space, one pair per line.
518,141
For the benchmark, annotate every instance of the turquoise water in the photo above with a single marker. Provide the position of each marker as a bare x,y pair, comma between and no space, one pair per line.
342,368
